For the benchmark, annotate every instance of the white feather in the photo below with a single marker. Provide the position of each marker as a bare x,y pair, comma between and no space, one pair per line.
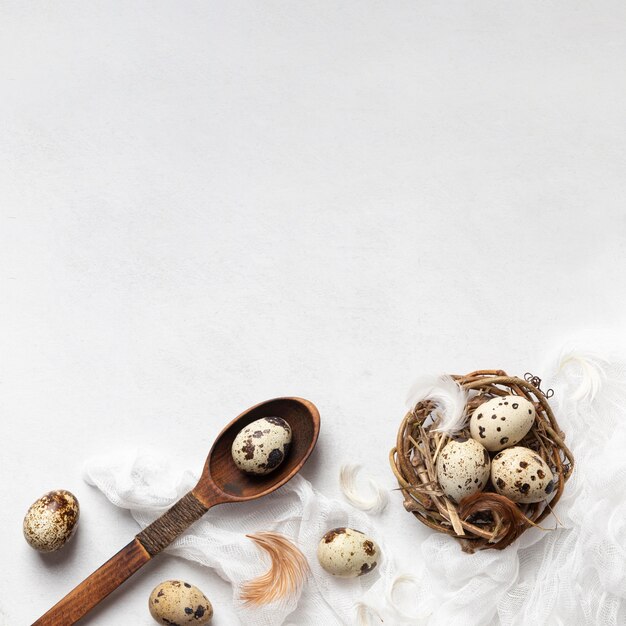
347,482
394,605
364,613
591,390
585,369
449,397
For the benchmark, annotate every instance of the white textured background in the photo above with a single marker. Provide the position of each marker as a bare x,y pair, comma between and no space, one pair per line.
204,205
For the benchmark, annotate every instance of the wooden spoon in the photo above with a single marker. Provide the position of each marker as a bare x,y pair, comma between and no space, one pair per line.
221,481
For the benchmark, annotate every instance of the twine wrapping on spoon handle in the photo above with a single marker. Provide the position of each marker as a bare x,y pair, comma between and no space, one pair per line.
165,529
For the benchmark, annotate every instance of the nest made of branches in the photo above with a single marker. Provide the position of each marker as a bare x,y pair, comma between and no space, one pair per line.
486,519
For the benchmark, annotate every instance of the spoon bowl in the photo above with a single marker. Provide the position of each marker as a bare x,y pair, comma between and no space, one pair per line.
223,478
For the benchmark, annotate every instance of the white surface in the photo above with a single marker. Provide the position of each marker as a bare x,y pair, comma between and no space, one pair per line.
209,204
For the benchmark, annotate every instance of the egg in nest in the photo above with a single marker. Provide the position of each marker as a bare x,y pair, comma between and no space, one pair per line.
502,421
521,475
462,468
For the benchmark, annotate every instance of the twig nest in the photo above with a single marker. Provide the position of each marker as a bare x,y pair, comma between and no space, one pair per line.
482,501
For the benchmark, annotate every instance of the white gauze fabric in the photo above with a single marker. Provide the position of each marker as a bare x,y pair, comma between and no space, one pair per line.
146,485
576,574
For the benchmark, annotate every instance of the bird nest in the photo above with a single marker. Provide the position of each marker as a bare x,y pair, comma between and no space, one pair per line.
485,519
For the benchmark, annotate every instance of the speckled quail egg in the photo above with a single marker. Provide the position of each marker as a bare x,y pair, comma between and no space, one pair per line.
347,553
261,446
177,602
462,468
521,475
502,421
51,520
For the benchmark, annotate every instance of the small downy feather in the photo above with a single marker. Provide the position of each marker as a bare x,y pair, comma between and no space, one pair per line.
286,575
366,614
591,372
449,397
374,504
395,605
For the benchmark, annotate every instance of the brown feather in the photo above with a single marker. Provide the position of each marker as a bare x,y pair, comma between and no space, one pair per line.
509,522
286,575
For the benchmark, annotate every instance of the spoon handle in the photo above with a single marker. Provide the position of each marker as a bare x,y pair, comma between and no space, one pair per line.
98,586
147,544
